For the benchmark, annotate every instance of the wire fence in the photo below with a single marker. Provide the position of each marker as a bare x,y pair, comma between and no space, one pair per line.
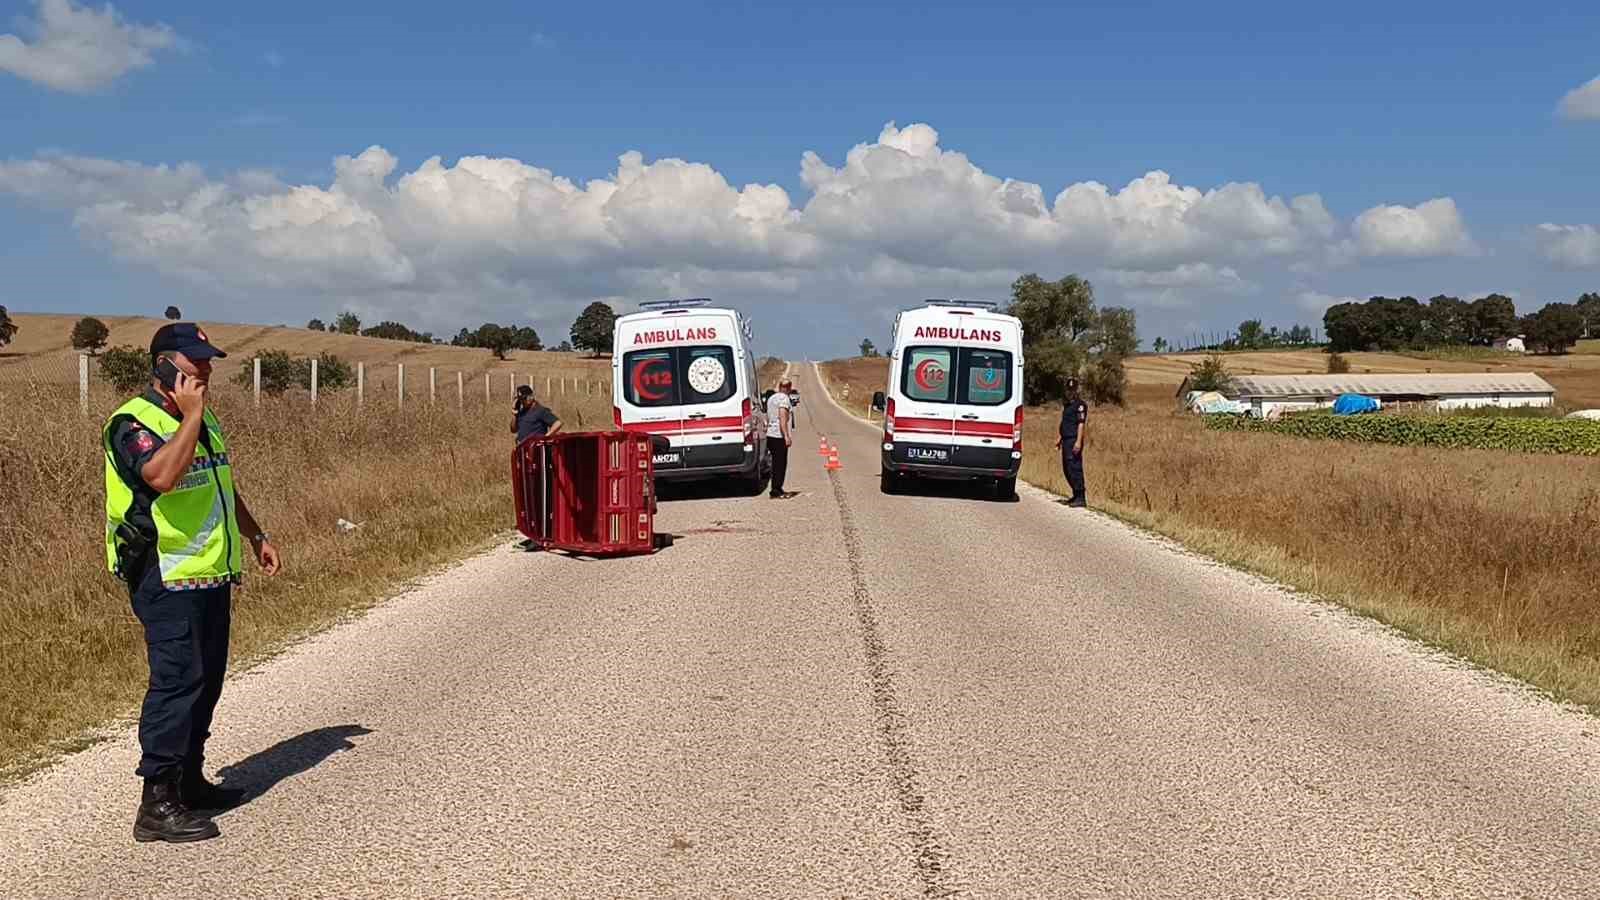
65,377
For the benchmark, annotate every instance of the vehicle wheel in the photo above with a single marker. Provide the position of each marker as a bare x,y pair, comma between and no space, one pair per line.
888,482
1005,488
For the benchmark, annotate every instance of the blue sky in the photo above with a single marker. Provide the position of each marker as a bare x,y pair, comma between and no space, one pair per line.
1435,139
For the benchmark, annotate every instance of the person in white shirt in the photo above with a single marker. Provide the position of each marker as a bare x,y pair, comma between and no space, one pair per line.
780,437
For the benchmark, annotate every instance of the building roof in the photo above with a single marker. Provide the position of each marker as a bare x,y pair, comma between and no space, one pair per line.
1266,386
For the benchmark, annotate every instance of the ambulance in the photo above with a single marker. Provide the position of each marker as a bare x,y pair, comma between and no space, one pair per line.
953,408
685,370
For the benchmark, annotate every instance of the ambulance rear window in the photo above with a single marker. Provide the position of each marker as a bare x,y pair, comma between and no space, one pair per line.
674,376
983,377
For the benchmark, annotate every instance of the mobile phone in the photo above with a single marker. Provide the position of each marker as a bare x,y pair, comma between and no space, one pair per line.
167,374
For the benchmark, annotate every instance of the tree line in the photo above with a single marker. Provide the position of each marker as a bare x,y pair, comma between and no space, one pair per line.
1404,323
591,331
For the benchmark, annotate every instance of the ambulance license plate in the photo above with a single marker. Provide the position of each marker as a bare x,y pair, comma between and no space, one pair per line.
666,459
929,453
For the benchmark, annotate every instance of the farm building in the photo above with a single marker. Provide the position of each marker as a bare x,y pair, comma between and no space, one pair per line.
1271,395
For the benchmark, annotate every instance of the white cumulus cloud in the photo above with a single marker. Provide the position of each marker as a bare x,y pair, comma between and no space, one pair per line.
1582,102
80,49
1431,229
1569,246
899,216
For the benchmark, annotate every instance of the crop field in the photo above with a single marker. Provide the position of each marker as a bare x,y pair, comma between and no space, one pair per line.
1519,433
1491,554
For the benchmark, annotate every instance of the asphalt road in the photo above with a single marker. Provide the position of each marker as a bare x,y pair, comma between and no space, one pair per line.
847,694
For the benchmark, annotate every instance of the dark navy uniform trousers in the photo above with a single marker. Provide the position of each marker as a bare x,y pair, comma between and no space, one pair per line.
186,634
1072,467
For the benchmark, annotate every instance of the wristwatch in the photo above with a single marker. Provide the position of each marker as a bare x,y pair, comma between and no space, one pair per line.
260,537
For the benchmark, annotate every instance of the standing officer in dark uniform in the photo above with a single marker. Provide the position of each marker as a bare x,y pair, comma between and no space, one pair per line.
1074,421
176,529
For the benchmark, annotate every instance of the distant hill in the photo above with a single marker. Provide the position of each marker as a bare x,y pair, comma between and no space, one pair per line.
42,350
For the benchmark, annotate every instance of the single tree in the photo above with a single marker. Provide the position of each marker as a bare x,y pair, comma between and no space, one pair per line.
1050,309
498,339
1159,345
1210,374
1251,336
316,325
1588,307
1555,328
126,367
173,314
564,347
592,330
525,338
1493,317
867,349
1337,364
347,323
1115,332
1105,381
89,335
8,328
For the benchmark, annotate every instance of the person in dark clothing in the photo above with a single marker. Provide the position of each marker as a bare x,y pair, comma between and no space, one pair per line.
533,419
1074,421
177,531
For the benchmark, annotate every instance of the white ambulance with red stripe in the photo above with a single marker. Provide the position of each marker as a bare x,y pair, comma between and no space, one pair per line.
685,370
953,408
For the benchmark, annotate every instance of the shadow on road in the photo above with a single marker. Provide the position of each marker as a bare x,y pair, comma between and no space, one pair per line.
952,490
707,489
261,772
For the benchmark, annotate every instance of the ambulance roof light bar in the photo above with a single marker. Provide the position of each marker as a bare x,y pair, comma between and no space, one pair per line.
990,305
657,305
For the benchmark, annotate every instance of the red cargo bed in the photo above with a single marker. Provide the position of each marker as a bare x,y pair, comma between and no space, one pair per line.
588,492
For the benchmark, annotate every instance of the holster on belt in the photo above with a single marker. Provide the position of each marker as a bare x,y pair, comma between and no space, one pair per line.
134,549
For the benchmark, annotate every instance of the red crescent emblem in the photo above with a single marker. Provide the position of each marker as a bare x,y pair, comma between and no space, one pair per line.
643,382
929,374
988,379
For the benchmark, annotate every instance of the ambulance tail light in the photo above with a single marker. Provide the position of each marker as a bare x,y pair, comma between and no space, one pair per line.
616,415
888,418
744,408
1016,430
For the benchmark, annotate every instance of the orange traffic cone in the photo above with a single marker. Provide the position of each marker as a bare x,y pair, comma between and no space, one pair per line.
833,459
822,446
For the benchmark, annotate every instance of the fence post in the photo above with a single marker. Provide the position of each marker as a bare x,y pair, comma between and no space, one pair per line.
461,390
257,381
563,383
547,385
313,382
83,383
430,386
361,383
400,385
513,378
486,396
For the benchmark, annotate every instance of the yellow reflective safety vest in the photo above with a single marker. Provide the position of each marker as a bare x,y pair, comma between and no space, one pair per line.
194,527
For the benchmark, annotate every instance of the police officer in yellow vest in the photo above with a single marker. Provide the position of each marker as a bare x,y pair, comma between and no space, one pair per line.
176,531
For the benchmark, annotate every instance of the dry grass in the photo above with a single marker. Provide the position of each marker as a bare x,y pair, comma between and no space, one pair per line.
41,351
1493,556
427,485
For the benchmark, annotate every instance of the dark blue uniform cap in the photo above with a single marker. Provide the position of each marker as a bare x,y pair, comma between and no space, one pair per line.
186,338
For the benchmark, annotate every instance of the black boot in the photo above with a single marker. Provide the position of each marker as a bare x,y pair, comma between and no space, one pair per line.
163,817
198,793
